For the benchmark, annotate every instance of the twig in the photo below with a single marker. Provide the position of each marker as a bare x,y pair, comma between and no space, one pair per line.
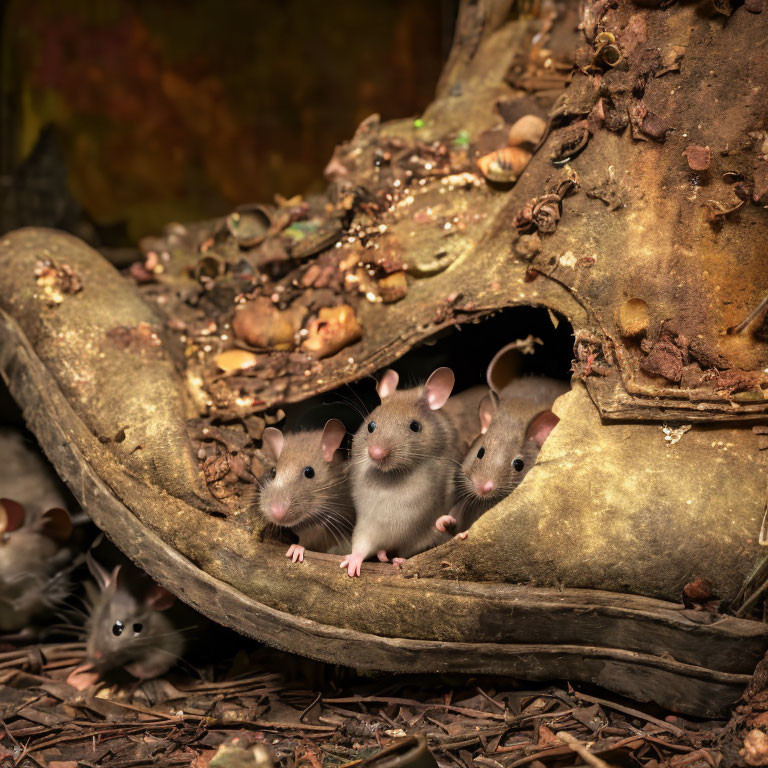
491,700
631,712
581,750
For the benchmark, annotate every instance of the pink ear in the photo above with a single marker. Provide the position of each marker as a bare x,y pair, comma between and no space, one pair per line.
159,599
333,434
272,442
486,411
388,383
11,515
438,388
541,426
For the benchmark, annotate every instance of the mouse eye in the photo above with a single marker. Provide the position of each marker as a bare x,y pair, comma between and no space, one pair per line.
518,464
415,426
481,452
309,473
117,628
371,426
137,627
273,472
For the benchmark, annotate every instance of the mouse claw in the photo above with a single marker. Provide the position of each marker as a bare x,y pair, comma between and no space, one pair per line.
352,563
296,553
382,555
397,561
444,522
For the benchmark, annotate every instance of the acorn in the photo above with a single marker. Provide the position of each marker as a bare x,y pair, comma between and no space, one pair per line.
527,130
504,166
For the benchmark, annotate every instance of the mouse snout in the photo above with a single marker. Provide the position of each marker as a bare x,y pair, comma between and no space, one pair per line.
484,487
278,509
378,452
98,655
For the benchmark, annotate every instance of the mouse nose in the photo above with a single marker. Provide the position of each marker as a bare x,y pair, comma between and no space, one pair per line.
278,509
377,453
485,488
98,655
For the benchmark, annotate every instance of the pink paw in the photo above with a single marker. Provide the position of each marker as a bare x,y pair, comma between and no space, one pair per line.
352,563
397,561
296,553
382,555
444,522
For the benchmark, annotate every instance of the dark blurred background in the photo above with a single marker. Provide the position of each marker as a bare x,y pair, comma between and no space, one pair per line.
118,116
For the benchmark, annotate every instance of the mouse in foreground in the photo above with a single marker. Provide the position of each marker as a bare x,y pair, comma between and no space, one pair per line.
404,461
132,624
307,490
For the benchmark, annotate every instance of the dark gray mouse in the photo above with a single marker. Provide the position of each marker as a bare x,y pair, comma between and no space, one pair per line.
307,490
131,624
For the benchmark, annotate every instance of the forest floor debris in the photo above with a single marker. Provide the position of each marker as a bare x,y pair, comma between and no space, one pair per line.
308,714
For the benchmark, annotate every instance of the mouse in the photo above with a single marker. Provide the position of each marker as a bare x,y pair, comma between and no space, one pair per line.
35,528
131,624
513,427
307,489
403,465
34,560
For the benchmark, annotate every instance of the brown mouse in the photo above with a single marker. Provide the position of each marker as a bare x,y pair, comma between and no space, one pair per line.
514,426
130,625
404,461
307,490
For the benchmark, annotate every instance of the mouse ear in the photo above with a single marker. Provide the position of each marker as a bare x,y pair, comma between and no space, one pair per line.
272,443
487,410
107,581
159,599
333,434
11,516
388,383
541,426
100,575
438,388
56,524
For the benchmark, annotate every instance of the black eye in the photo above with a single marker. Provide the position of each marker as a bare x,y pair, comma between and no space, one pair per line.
518,465
415,426
137,628
273,472
117,628
309,473
371,426
481,452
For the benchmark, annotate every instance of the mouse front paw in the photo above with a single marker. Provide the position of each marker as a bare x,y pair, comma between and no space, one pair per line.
352,563
444,522
296,553
398,561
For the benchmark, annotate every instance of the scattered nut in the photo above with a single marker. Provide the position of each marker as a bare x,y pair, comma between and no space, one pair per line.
261,324
698,157
333,329
236,360
393,287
